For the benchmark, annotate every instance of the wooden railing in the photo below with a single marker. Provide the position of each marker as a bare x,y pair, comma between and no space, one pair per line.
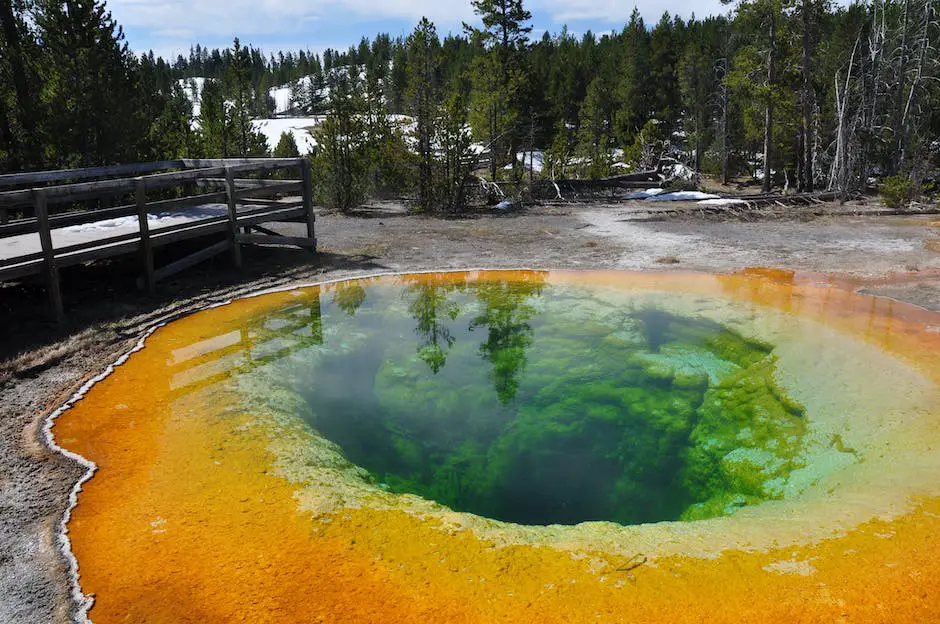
41,202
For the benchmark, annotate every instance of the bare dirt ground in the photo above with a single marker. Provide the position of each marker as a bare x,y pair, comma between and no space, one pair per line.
41,364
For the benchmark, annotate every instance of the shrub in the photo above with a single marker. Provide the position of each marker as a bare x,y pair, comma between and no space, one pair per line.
896,191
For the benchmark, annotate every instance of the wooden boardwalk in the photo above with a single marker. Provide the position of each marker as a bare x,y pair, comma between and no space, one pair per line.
53,219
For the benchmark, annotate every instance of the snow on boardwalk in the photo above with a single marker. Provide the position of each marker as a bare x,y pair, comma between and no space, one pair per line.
25,244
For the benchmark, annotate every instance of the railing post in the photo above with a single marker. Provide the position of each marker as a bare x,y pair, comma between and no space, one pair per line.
146,248
48,254
233,218
308,200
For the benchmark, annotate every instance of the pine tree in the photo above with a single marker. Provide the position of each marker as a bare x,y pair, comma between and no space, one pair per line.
666,42
457,160
315,88
757,71
594,131
213,121
20,117
423,48
299,97
244,139
700,78
499,75
87,73
286,147
171,133
633,90
342,162
558,156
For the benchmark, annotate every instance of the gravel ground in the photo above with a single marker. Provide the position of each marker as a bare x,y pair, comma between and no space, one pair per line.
40,364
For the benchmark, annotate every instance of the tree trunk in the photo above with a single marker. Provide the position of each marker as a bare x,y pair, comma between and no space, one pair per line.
723,101
494,143
769,108
807,99
898,118
26,146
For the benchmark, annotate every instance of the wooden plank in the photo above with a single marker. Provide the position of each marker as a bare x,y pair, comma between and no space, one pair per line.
246,182
128,243
61,175
242,164
48,252
265,239
190,260
269,203
155,234
23,269
269,216
146,249
120,248
194,201
233,218
25,226
252,188
137,169
263,230
24,258
195,230
175,178
98,242
285,189
308,201
103,188
72,192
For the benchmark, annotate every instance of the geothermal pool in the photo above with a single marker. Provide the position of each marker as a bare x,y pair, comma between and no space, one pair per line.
518,446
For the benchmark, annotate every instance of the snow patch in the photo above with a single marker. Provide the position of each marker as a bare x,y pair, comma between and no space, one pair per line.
678,171
535,159
298,127
192,88
683,196
155,220
645,193
282,94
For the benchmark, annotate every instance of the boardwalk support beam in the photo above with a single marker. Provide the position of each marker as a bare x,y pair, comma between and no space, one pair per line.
233,218
146,248
48,254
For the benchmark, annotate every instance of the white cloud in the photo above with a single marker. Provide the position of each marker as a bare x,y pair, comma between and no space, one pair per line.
617,13
170,27
217,18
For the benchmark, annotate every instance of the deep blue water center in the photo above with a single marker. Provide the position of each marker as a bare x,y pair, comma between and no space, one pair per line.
542,404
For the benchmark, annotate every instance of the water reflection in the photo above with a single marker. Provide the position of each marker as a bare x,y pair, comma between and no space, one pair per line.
431,305
506,317
511,398
525,400
434,305
349,295
258,341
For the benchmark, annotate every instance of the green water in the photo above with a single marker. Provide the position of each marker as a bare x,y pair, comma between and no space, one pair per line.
540,404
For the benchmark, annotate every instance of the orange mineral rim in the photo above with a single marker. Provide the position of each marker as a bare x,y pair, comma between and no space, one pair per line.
204,508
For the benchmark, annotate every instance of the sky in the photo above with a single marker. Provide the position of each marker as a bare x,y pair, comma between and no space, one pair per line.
170,27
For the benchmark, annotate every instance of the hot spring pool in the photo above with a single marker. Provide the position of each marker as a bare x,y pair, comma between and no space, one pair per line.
518,446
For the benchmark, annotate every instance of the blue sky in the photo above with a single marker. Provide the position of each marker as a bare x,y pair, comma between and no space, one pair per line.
170,27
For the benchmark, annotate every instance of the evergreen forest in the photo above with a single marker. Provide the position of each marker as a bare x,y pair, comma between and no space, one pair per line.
790,95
